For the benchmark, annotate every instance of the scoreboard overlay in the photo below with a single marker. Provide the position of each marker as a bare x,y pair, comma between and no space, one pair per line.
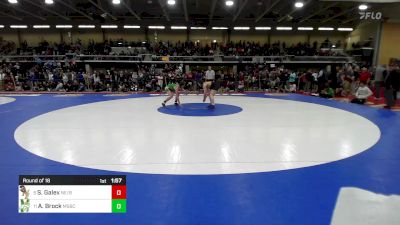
71,194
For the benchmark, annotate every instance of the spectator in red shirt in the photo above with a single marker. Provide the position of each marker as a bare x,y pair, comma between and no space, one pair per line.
365,75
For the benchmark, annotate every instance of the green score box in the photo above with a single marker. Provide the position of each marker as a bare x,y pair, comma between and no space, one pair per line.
119,206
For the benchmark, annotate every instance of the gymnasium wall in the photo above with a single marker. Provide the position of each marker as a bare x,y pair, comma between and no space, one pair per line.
256,36
363,32
207,36
9,36
127,34
390,42
163,35
334,37
83,35
34,37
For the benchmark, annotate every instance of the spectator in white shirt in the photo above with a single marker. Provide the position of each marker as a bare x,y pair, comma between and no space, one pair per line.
362,93
292,87
65,78
50,76
209,79
59,87
96,78
378,81
2,75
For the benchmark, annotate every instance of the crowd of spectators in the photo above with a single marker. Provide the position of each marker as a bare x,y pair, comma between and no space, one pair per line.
6,47
342,81
279,48
47,48
188,48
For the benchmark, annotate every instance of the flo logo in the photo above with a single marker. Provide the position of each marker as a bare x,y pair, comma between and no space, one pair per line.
370,15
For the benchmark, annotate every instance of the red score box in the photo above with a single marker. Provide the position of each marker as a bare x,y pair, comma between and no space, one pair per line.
119,192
